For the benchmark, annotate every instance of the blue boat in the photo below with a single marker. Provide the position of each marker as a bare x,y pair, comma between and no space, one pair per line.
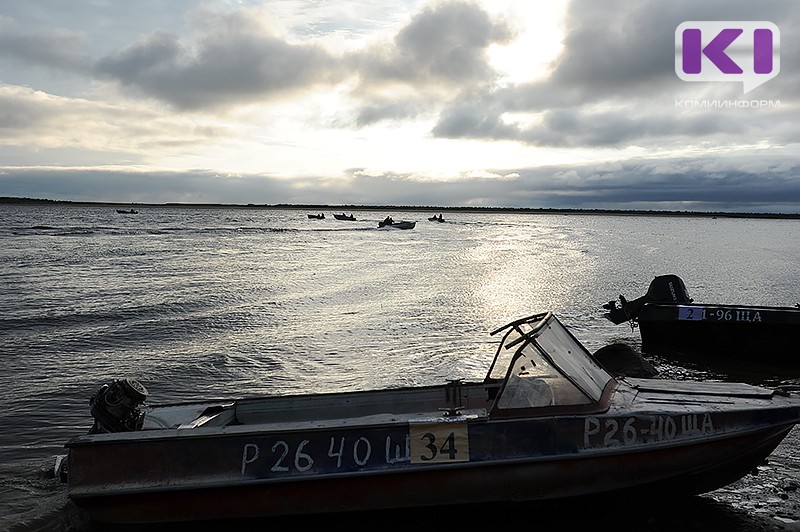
548,422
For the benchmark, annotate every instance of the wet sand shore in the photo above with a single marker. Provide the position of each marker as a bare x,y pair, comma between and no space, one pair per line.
769,499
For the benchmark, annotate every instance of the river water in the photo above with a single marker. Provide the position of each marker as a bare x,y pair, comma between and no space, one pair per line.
219,302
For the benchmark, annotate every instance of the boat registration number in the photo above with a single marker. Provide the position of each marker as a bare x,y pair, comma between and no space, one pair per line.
613,431
426,441
718,314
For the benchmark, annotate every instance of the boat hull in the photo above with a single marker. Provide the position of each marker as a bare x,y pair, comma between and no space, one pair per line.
397,225
708,466
755,333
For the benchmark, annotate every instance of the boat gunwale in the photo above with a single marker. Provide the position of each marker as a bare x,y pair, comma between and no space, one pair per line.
281,427
469,416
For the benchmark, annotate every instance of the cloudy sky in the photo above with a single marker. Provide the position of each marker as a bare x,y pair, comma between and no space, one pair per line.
572,104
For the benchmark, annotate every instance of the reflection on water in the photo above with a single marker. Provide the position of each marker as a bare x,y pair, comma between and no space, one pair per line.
200,303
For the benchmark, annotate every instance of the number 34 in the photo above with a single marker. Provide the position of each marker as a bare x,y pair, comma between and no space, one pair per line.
439,443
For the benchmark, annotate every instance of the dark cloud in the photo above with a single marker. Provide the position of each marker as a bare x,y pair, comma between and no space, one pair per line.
441,52
718,185
445,43
666,126
614,47
59,49
668,121
468,119
390,110
234,62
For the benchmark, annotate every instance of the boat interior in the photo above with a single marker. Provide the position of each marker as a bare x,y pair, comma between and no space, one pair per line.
539,367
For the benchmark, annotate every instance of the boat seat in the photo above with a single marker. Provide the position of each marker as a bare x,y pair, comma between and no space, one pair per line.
213,416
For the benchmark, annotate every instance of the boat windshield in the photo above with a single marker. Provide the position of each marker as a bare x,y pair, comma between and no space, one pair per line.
549,367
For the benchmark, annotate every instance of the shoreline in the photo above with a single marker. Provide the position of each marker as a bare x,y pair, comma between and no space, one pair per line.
413,208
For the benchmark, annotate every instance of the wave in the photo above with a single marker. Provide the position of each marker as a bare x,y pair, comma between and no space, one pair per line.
56,319
145,231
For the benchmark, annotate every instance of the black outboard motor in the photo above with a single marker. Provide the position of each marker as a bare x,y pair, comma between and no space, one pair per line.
663,289
115,407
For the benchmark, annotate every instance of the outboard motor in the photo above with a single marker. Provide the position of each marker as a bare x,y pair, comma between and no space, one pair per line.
663,289
115,407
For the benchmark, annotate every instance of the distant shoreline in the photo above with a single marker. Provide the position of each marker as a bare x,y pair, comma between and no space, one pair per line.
420,208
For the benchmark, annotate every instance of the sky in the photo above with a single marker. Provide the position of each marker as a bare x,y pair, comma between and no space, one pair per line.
497,103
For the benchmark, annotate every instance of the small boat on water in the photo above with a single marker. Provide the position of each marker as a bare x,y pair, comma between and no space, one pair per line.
671,322
320,216
388,223
127,211
548,422
344,216
438,218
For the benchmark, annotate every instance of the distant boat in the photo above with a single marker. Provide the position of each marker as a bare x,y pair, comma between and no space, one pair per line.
320,216
436,218
344,216
391,224
129,211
